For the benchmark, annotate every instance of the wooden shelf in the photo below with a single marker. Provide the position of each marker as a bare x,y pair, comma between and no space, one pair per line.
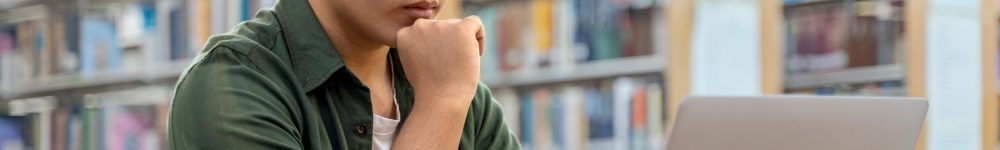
848,76
584,71
819,2
97,79
21,107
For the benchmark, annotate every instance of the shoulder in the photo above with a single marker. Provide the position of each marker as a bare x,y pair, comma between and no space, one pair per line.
237,93
246,57
253,45
259,35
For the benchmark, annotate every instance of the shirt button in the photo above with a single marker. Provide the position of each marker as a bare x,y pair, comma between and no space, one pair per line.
361,129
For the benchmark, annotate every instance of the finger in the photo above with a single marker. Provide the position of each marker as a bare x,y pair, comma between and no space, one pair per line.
481,38
473,23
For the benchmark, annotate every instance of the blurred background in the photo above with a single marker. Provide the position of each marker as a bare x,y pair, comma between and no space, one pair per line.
571,74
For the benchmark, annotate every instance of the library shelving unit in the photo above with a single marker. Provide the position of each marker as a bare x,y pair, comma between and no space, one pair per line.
577,74
865,57
581,72
58,91
73,73
913,56
944,51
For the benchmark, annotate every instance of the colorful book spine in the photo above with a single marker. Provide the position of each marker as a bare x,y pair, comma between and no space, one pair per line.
639,129
657,115
528,114
13,133
544,138
574,129
600,117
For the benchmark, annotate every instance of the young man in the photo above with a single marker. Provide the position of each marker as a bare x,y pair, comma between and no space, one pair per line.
340,74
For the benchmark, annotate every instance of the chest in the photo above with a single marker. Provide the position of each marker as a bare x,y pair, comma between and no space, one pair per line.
339,114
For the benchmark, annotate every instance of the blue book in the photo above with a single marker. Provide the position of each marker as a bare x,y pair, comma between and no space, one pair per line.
13,133
556,116
527,120
600,118
100,48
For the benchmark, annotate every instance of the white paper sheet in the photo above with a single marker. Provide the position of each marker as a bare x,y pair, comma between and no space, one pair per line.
725,50
954,74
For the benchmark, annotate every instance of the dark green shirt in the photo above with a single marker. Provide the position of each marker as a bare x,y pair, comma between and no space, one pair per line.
276,82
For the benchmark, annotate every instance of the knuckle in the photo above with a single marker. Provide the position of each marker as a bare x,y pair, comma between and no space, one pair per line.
473,18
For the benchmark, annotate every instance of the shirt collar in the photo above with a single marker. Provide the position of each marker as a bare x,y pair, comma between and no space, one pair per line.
312,55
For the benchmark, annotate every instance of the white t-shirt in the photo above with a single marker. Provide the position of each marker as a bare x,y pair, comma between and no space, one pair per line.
384,130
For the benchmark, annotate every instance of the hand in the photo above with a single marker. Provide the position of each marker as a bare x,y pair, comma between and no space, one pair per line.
441,60
441,57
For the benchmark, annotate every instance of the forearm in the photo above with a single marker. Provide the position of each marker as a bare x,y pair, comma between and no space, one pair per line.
434,125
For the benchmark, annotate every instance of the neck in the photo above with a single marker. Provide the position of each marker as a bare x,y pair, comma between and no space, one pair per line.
364,57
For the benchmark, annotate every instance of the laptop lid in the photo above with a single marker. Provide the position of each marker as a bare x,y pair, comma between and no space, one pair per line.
797,123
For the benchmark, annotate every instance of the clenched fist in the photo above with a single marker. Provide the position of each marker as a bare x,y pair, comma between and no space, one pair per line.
441,58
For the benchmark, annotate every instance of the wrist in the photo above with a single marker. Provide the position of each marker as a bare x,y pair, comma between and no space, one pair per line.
443,99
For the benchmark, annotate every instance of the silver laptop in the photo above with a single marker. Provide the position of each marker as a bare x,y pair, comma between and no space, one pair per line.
797,123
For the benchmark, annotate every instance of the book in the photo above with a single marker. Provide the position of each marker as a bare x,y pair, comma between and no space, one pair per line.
600,117
621,90
14,133
74,137
125,120
60,122
9,65
656,114
883,88
130,127
838,35
639,123
30,43
544,136
540,34
574,128
622,113
100,48
511,36
201,22
527,126
818,38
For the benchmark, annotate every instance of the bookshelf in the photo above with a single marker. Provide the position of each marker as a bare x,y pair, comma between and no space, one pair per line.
907,45
121,84
804,3
99,79
859,45
581,72
892,72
